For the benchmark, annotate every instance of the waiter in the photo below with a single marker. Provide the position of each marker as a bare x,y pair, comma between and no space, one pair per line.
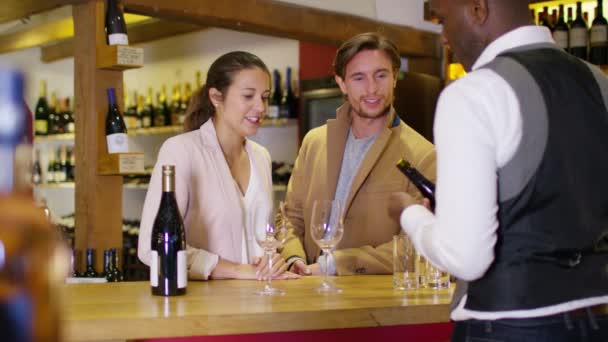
522,201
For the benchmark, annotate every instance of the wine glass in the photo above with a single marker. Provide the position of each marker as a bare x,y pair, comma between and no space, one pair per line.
327,228
270,238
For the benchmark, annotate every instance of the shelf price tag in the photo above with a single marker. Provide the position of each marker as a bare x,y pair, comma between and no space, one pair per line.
127,55
131,163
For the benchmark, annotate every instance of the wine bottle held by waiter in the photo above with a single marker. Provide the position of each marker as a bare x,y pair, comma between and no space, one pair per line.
168,271
425,186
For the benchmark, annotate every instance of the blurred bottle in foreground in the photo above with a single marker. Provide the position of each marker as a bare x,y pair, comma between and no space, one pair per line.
32,262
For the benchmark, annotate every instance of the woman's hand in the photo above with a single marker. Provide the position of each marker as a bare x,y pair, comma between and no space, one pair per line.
279,267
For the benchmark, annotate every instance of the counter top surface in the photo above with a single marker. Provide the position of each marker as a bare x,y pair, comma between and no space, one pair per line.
93,312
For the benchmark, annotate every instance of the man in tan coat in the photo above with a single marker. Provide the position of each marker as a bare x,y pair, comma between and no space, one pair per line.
352,158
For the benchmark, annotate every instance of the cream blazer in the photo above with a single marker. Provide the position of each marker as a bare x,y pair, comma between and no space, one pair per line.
209,201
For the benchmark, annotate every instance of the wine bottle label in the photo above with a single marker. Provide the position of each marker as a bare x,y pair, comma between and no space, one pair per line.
71,127
42,126
599,35
273,111
154,269
561,39
118,39
60,176
146,122
578,37
182,270
117,143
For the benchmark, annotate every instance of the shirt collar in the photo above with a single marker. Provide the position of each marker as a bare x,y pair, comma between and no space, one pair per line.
524,35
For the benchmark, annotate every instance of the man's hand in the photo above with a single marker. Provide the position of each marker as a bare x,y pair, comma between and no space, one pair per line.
398,202
299,267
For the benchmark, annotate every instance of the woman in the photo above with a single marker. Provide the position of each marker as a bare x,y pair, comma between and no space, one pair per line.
223,180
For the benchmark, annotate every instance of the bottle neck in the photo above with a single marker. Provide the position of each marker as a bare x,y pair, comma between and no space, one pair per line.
169,183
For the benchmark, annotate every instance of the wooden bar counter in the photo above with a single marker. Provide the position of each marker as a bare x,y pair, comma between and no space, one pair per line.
125,311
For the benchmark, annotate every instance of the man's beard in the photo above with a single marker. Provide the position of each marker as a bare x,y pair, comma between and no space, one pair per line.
362,114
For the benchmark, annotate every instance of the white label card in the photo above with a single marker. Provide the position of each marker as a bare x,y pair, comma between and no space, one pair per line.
127,55
154,269
182,270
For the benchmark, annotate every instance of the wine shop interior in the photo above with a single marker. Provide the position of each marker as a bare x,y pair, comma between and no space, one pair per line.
127,69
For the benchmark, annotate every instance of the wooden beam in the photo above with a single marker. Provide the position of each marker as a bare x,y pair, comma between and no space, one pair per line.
19,9
141,32
286,20
98,218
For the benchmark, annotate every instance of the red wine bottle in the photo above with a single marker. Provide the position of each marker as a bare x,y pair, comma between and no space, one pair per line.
598,37
425,186
116,130
168,272
116,29
579,35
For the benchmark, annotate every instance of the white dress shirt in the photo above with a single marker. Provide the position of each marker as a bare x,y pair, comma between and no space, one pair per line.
478,128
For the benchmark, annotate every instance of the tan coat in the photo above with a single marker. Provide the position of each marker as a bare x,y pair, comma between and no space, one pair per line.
366,247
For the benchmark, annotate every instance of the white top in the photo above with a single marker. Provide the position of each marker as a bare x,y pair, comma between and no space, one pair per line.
219,220
477,131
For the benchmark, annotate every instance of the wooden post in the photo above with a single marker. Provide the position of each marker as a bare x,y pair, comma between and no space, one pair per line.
98,198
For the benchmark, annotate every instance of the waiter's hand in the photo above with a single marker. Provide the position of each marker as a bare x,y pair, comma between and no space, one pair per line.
398,202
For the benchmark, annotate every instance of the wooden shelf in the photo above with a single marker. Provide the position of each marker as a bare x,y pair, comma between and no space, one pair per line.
119,57
131,133
71,186
121,164
279,122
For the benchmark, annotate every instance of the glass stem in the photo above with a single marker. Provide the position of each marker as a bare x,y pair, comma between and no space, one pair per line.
269,255
327,253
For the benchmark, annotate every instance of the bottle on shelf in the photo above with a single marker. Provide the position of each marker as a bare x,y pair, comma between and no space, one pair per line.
185,101
149,113
144,116
570,16
61,166
578,38
90,266
50,168
41,121
425,186
131,117
116,131
107,266
598,37
115,26
290,102
116,273
69,175
164,104
546,20
276,98
72,172
37,169
68,118
560,30
168,273
554,17
176,105
57,171
53,122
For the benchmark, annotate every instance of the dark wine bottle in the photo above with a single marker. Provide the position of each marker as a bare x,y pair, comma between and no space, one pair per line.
290,102
570,17
116,274
116,130
579,34
560,30
598,37
149,112
168,273
274,106
425,186
42,112
107,266
116,29
90,268
165,110
546,19
50,168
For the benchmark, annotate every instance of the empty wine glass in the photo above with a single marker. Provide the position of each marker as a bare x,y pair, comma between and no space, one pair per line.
270,238
327,228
